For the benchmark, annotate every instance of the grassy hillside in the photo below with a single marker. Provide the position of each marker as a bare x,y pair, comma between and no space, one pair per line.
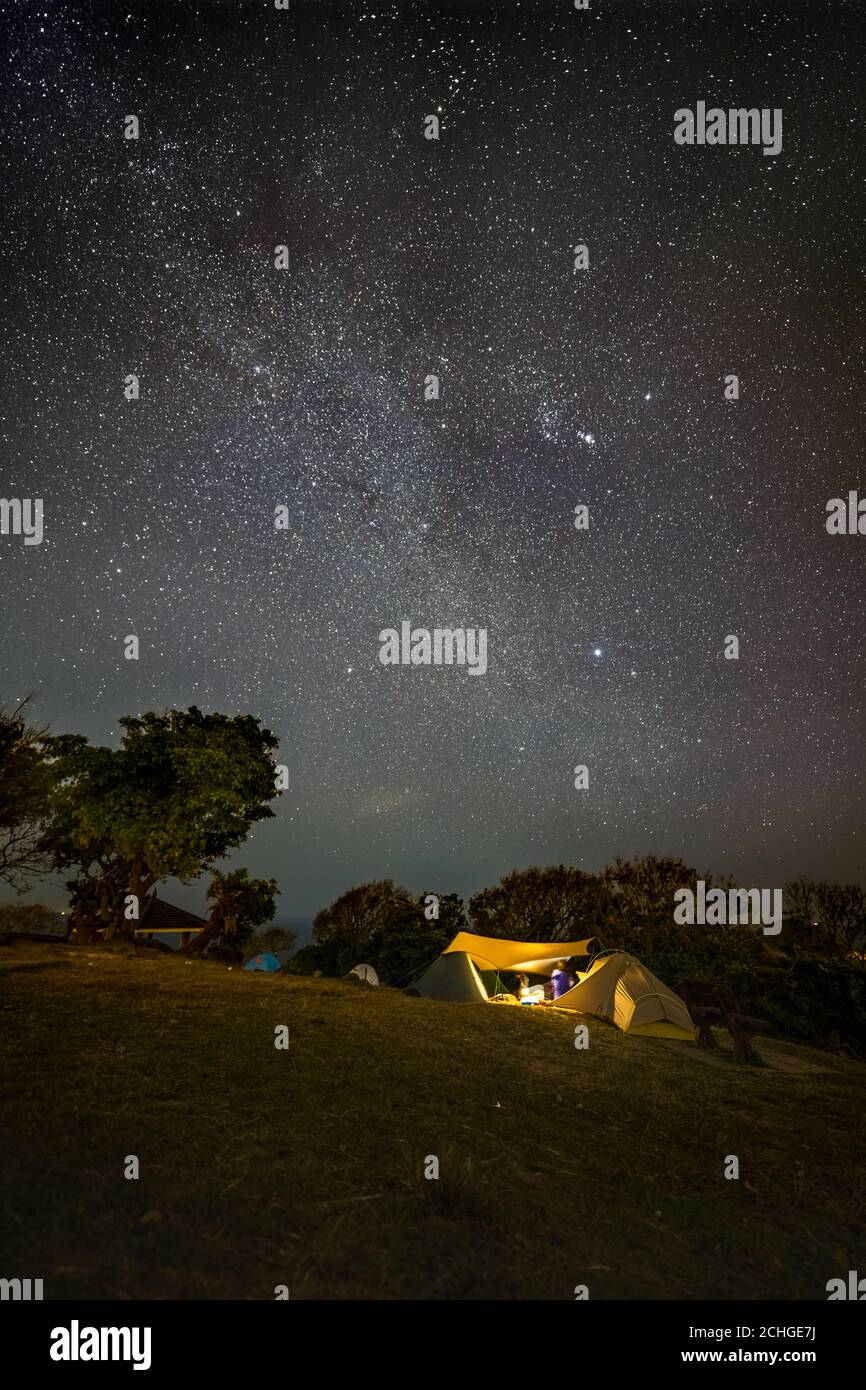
261,1167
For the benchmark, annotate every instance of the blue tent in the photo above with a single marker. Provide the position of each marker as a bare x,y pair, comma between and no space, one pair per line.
263,962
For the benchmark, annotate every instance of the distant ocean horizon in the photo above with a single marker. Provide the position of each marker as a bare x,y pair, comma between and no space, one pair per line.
301,926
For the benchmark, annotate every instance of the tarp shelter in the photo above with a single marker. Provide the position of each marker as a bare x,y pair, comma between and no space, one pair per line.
263,962
365,973
457,974
535,957
619,988
616,986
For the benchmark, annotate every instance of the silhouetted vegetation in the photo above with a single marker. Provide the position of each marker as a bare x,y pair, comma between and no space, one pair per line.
184,788
809,981
239,904
384,925
26,780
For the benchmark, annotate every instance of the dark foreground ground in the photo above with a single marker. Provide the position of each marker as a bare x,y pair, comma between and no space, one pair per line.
262,1167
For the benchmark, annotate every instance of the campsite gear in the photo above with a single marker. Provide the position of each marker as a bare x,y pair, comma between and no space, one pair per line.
365,973
263,962
619,988
532,994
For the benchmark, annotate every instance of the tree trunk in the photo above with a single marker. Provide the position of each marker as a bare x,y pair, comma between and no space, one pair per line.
211,929
105,915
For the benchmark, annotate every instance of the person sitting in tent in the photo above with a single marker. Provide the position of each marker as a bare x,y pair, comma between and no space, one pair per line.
527,993
561,979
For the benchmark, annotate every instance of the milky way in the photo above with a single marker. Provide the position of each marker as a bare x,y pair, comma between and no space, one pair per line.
305,388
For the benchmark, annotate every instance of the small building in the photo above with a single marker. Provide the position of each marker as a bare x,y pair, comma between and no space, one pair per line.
164,919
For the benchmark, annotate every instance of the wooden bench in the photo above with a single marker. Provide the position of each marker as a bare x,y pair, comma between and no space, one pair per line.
699,997
712,1001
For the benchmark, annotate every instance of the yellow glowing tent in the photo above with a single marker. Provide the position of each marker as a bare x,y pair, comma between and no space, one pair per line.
535,957
619,988
616,986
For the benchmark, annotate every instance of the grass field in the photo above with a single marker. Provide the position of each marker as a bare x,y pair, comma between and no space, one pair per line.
261,1167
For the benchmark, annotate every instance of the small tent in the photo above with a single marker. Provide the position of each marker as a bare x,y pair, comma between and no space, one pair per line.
263,962
365,973
452,977
619,988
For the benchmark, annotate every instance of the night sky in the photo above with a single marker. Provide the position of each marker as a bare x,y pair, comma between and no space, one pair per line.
305,388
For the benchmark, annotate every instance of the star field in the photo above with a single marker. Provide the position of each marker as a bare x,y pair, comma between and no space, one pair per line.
305,388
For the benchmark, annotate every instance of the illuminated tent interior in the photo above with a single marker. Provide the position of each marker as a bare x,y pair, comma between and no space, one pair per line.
469,967
616,986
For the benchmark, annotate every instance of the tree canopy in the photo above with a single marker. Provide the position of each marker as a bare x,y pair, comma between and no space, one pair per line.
182,790
26,780
556,903
384,925
239,904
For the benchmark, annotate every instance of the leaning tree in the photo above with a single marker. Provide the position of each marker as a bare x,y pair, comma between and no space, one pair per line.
239,904
181,790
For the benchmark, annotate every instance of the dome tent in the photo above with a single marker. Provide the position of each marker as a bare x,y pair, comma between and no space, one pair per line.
619,988
365,973
263,962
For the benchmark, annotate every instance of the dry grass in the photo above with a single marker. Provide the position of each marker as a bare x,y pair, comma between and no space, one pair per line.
261,1167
